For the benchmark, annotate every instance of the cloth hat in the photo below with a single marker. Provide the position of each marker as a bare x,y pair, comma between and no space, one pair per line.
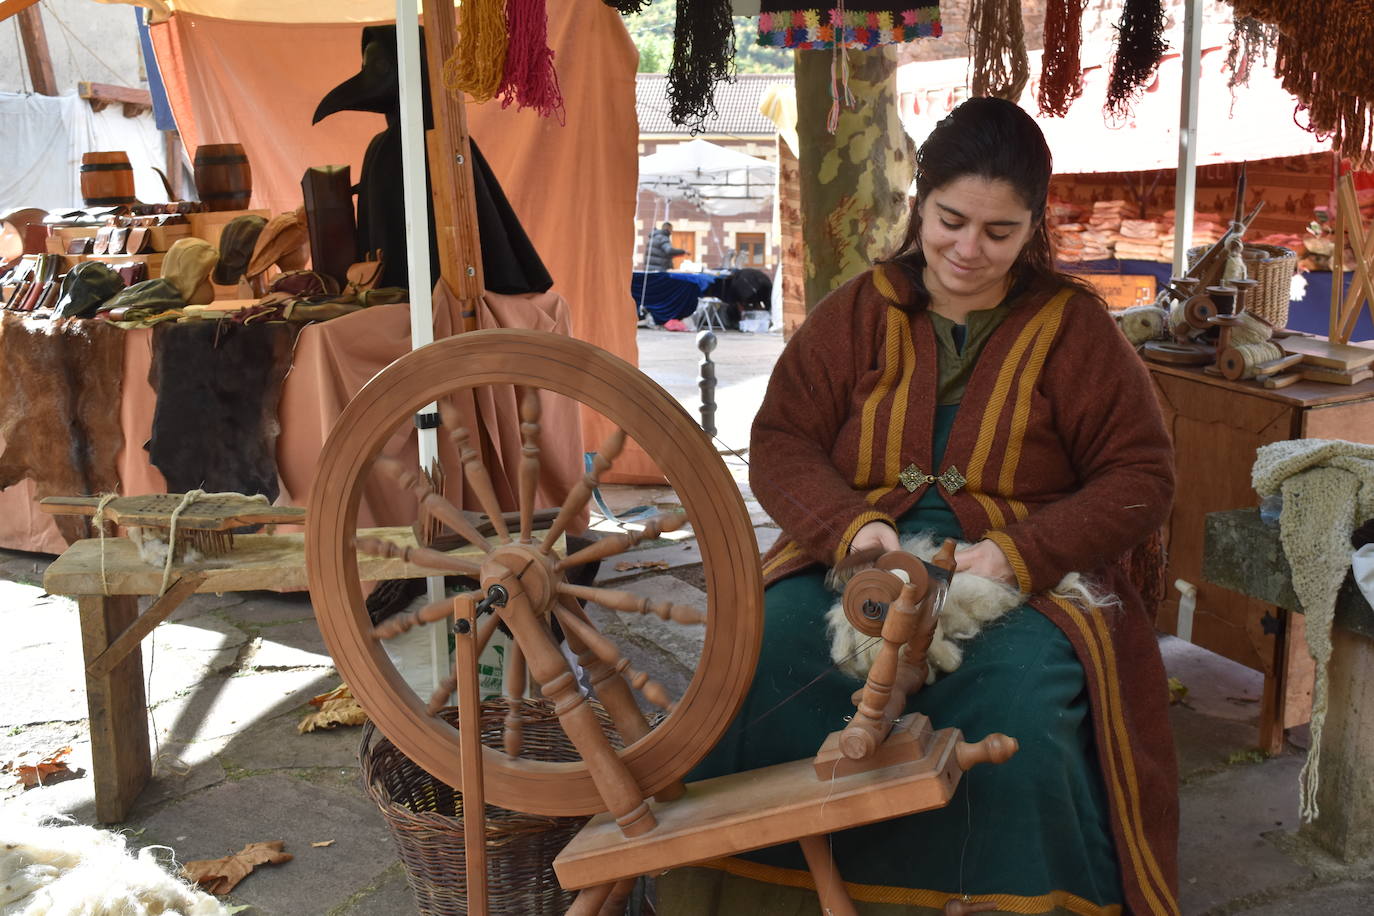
187,266
160,294
236,244
282,241
85,287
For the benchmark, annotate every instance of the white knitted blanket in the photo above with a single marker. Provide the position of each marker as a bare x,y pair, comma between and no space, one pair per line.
1328,489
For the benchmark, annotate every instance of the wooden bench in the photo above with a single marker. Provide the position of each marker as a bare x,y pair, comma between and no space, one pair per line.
1242,553
112,628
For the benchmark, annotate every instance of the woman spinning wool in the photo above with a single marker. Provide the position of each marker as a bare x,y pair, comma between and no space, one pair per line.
966,389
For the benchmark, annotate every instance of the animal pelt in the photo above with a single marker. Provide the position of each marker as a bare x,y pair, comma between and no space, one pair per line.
59,415
971,603
218,385
54,870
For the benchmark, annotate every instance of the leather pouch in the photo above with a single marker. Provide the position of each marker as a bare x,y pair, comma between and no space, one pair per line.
118,239
102,240
133,273
81,246
139,242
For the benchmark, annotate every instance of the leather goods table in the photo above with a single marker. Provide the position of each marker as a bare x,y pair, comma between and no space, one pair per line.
112,628
1216,426
1244,554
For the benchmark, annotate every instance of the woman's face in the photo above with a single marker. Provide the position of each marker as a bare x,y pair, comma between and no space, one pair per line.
972,229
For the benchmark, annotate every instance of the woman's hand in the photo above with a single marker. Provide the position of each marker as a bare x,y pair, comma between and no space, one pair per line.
874,534
984,559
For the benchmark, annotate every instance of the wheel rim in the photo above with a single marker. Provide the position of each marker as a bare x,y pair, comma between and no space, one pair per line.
649,416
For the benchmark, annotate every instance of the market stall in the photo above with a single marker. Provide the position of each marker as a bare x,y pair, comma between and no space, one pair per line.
232,79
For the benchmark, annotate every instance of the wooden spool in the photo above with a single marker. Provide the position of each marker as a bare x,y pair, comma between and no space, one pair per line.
107,179
224,180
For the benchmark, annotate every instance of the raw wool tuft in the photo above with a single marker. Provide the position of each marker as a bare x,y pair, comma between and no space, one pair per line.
703,55
56,870
1327,487
478,62
1140,45
1142,323
1061,66
972,603
997,49
152,549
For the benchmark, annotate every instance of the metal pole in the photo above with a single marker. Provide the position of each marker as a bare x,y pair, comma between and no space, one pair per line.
416,200
1185,190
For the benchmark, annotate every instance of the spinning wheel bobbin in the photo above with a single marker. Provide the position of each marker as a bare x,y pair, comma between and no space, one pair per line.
871,591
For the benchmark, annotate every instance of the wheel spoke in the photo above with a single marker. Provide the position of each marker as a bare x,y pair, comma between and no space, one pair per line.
581,493
397,624
530,411
630,603
432,502
606,666
426,557
513,737
439,699
473,469
624,540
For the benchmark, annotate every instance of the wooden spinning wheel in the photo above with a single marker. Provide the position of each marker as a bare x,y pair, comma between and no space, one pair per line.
533,574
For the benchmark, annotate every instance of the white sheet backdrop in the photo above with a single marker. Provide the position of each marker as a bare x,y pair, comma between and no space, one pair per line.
45,137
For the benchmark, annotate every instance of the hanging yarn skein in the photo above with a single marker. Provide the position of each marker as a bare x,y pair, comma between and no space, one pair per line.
478,63
703,55
1140,45
1324,56
530,80
997,51
1061,66
627,7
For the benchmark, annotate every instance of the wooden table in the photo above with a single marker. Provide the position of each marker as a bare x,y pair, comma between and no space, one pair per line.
1216,426
112,628
1243,554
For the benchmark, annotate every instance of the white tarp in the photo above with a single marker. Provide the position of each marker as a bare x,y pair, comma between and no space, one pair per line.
721,181
1260,123
45,137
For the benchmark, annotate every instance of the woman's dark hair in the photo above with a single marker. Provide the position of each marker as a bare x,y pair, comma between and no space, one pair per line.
993,139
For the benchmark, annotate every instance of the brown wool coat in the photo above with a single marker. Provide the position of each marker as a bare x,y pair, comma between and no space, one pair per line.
1068,467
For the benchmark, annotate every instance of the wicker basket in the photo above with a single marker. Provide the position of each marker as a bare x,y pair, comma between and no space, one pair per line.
425,817
1273,267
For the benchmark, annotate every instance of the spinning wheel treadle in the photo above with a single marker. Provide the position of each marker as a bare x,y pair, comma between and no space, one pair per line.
533,575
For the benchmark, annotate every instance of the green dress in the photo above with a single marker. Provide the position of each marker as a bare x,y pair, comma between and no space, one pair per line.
1034,832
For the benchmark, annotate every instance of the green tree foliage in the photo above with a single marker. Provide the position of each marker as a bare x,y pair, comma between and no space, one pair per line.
652,32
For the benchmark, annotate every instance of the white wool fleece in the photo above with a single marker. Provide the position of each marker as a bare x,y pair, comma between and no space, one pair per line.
971,603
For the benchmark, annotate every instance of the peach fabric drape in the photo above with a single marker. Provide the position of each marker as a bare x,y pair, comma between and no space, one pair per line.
572,184
331,362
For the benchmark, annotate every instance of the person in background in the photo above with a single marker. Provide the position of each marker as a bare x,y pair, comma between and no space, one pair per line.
661,250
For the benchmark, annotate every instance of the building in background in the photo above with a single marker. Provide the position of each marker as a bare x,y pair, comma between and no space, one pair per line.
748,239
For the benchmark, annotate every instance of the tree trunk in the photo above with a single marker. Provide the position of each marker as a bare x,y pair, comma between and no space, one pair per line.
854,182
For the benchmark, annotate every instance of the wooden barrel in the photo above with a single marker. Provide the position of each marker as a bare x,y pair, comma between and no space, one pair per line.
223,178
107,179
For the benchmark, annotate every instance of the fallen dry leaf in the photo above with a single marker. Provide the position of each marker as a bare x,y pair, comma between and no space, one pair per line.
626,565
49,769
220,876
337,707
322,843
338,693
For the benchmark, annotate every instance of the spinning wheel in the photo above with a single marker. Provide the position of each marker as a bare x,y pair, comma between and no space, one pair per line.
524,579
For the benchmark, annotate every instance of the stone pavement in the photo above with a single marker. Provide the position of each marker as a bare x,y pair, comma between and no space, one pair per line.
229,677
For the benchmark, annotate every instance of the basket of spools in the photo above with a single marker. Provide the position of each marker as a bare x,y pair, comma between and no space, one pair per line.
1272,268
425,817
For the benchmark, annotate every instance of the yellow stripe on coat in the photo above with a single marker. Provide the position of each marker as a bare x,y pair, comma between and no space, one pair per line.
904,896
1117,738
1020,417
876,396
